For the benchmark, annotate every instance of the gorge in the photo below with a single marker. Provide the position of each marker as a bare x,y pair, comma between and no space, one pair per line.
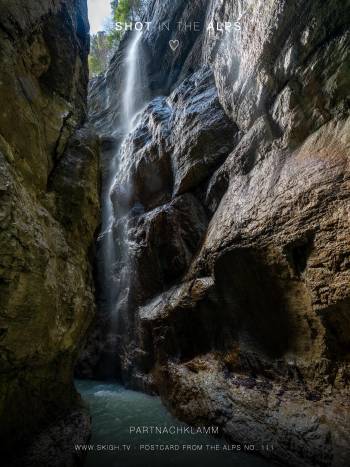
185,230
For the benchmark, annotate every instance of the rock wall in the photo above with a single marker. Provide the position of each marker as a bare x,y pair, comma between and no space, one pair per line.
233,198
49,209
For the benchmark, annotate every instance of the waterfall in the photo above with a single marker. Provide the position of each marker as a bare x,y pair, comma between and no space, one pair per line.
133,98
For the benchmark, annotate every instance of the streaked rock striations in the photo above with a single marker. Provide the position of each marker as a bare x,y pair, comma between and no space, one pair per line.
233,198
49,209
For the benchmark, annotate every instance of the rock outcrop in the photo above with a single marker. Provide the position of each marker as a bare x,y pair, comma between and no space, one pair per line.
232,223
49,209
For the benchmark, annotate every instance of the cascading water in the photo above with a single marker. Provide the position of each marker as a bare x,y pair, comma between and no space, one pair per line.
134,97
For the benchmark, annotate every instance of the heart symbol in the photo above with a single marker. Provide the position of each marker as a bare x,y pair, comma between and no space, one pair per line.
174,44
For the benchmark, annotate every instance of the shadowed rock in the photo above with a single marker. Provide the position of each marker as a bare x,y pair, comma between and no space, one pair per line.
49,209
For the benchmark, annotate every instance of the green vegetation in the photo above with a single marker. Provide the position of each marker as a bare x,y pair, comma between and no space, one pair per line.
100,53
104,43
126,10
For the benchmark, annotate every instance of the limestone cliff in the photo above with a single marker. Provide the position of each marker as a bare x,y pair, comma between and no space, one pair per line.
49,210
232,216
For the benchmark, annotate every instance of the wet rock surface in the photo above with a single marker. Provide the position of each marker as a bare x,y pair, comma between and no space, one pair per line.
175,147
233,201
49,209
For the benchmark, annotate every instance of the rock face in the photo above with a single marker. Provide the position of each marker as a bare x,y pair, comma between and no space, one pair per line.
232,224
49,209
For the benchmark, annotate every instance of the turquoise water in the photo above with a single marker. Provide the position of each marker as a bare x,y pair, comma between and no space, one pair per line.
115,409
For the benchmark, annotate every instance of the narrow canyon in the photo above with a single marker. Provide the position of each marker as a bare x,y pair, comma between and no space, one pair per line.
179,223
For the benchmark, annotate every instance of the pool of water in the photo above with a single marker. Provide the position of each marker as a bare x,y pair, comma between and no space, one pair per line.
115,411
